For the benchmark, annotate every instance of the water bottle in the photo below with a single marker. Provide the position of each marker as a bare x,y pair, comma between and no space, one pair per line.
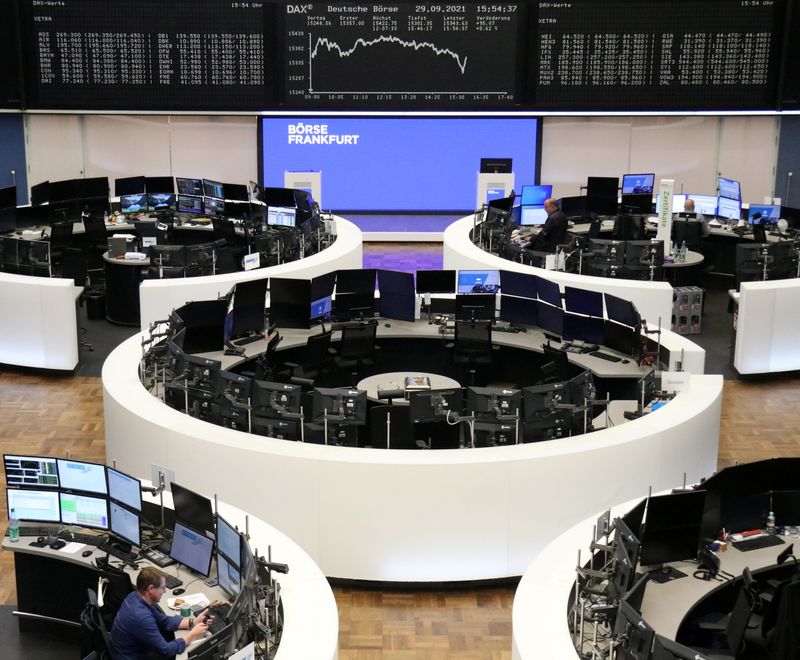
684,250
771,528
13,526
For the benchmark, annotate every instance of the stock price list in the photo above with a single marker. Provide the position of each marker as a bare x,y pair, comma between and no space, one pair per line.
145,54
654,55
402,55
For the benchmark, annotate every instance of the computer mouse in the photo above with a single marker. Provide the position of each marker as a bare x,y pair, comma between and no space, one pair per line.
387,325
624,361
86,553
178,591
40,539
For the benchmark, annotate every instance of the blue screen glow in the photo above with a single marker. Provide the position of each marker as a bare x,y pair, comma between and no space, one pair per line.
396,164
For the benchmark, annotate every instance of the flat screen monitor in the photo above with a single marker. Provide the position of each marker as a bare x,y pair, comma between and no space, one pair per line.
84,510
281,216
475,307
192,508
159,184
672,527
729,188
192,549
189,186
541,401
633,519
356,281
582,301
78,475
236,192
535,195
40,193
61,191
633,184
496,165
397,306
129,185
705,204
478,281
213,207
677,203
343,405
522,285
289,302
588,329
34,505
531,216
229,541
605,187
161,202
273,399
213,189
641,203
93,187
434,405
494,400
550,318
190,204
548,291
766,213
321,309
30,471
8,197
124,488
621,310
436,281
277,197
228,575
520,311
635,633
247,308
125,524
622,338
130,204
729,208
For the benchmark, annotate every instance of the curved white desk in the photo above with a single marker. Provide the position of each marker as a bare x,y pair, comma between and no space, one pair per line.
652,299
157,298
419,516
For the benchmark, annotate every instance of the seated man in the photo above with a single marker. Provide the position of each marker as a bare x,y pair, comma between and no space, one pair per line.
553,232
688,207
139,628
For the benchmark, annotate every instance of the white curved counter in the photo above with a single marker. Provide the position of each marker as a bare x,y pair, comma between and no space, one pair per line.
652,299
157,298
418,516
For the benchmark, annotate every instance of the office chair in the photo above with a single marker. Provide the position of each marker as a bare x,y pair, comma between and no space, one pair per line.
356,347
689,232
95,636
60,238
265,362
400,429
733,635
226,261
73,268
594,229
628,228
224,230
472,345
316,357
759,233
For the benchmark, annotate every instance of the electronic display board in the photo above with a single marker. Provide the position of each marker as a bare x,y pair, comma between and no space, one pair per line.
10,87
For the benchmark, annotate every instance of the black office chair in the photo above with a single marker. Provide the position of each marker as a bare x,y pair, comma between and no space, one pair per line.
759,233
73,267
316,358
594,229
226,260
735,628
627,228
357,347
400,430
96,640
472,345
689,232
60,238
225,230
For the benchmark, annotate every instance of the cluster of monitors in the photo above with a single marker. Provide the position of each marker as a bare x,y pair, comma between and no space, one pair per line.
638,258
773,261
139,185
24,257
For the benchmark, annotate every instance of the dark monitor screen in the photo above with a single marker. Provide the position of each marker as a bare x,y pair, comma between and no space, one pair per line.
583,328
159,184
548,291
397,306
478,281
434,405
8,221
493,400
436,281
30,471
236,192
125,524
359,280
248,308
79,475
348,306
522,285
672,527
550,318
192,508
633,184
602,186
729,188
270,398
323,285
192,548
582,301
541,401
203,320
622,311
161,202
34,505
395,282
229,542
289,302
496,165
63,190
519,310
125,489
642,203
270,427
633,518
40,193
343,405
189,186
475,306
190,204
8,197
130,185
607,251
96,186
535,195
634,632
277,197
83,510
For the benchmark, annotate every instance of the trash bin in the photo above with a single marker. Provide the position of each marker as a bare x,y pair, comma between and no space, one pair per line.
95,305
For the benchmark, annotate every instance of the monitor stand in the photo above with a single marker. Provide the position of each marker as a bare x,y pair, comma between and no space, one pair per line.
663,574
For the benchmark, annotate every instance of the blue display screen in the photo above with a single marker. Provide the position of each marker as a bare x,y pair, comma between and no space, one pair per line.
396,163
535,195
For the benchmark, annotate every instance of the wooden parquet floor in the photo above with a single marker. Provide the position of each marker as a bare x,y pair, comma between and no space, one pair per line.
50,416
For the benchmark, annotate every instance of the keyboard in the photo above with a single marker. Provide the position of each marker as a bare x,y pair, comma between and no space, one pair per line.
170,581
157,557
38,531
220,613
605,356
109,549
87,539
758,542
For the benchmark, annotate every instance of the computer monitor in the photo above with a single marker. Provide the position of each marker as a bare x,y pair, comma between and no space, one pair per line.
633,518
583,301
672,527
397,295
522,285
535,195
494,401
189,186
79,475
587,329
767,213
274,399
247,308
289,302
641,203
124,488
236,192
635,595
281,216
34,505
521,311
532,216
667,649
125,524
213,189
190,204
83,510
40,193
341,405
542,401
621,310
356,281
129,185
478,281
729,208
475,306
548,291
729,188
161,202
601,193
192,508
321,309
213,207
705,204
277,197
434,405
228,576
92,187
622,338
436,281
159,184
30,471
130,204
607,251
550,318
638,183
8,197
192,549
221,644
229,542
496,165
633,634
274,427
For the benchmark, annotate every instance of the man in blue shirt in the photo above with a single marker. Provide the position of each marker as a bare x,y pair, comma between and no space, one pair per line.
140,625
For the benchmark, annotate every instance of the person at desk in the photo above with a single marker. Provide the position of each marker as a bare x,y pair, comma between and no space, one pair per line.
140,625
553,232
688,207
